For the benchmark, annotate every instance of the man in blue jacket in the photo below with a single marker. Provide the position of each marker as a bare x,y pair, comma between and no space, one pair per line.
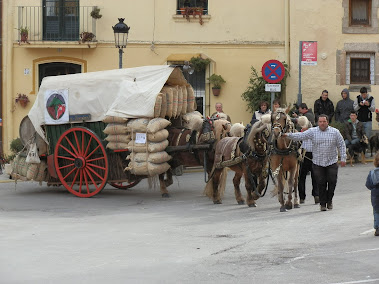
372,183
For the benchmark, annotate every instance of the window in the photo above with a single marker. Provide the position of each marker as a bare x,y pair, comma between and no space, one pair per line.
360,12
57,68
192,3
360,68
60,19
360,71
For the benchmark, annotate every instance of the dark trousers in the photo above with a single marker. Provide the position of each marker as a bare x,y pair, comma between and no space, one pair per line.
305,168
326,178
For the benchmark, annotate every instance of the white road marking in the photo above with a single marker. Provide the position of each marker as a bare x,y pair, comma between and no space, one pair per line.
368,232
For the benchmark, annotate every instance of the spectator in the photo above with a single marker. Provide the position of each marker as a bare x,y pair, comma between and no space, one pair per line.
324,106
325,142
263,109
218,107
275,105
353,132
307,112
364,104
372,183
344,107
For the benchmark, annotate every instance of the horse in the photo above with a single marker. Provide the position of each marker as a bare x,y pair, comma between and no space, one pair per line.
283,158
196,148
247,157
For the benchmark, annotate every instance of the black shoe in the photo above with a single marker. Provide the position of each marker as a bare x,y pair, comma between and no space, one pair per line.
322,208
330,206
302,201
317,200
376,232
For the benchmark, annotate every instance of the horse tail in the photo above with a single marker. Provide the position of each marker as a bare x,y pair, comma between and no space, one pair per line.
222,185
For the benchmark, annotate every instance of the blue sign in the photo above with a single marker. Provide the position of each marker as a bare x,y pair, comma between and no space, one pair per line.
273,71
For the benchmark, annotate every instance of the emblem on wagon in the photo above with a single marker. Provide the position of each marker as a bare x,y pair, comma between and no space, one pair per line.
56,106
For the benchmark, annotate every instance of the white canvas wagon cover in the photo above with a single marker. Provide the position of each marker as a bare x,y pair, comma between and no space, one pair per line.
129,93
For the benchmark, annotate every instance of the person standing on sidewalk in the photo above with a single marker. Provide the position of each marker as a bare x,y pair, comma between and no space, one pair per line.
364,105
325,142
344,107
372,183
306,165
324,105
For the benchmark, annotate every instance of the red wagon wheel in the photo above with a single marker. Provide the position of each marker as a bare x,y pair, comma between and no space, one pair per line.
125,185
81,162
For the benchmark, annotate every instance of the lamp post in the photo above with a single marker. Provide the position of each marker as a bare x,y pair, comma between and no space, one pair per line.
121,32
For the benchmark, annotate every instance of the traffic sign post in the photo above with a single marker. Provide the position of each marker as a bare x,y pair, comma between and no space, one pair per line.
273,72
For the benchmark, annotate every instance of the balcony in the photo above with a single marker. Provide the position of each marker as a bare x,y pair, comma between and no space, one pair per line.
46,25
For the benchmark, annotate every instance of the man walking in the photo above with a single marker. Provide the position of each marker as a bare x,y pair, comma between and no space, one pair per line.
325,142
364,104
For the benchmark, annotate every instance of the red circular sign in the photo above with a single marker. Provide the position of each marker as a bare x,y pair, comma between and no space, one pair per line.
273,71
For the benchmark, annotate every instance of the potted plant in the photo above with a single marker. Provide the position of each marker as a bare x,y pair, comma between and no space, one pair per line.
22,99
24,34
199,64
216,81
96,13
193,11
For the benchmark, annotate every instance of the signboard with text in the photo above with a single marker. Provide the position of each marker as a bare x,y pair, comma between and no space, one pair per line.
309,53
276,88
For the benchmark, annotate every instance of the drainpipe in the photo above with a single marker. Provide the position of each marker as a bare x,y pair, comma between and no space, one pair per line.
287,31
1,75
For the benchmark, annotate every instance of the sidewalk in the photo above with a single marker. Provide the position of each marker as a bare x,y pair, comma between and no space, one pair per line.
4,178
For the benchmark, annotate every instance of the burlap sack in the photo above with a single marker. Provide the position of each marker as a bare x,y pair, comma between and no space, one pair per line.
191,106
151,147
158,106
22,166
176,78
164,106
157,158
185,98
169,99
174,101
114,119
116,128
117,145
32,171
157,124
42,172
180,100
124,138
147,168
158,136
138,125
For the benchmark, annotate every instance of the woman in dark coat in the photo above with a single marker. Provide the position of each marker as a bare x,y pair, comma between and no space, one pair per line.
372,183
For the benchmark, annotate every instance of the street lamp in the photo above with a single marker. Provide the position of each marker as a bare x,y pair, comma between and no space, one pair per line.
121,32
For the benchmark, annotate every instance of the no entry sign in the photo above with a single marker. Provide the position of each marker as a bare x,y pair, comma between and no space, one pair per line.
273,71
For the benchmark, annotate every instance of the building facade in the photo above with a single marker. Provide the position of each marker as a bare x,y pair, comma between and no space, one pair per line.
64,38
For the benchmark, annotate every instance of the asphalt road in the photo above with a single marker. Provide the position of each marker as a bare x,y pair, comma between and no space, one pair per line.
49,236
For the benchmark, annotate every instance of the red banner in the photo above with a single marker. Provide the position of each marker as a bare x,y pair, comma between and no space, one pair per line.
309,53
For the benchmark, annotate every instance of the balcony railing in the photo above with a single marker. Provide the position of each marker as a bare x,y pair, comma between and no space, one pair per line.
55,23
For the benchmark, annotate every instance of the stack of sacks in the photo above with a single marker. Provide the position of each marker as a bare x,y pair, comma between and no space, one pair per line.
22,170
174,101
193,121
118,135
149,140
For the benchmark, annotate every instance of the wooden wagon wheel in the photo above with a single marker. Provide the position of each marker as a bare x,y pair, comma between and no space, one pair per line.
125,185
81,162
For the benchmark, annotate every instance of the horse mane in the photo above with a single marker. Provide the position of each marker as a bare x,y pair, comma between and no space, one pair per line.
221,128
257,127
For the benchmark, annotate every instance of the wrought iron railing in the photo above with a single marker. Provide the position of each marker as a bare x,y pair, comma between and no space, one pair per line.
55,23
201,4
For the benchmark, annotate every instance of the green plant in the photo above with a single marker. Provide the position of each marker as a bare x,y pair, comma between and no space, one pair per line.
199,64
96,13
339,125
255,92
86,36
16,145
23,30
216,81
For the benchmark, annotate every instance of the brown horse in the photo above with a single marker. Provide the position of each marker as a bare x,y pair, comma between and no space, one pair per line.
187,148
284,159
246,157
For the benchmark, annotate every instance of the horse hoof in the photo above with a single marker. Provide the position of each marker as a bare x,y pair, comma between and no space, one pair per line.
241,202
289,207
217,202
282,209
296,206
165,195
253,205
